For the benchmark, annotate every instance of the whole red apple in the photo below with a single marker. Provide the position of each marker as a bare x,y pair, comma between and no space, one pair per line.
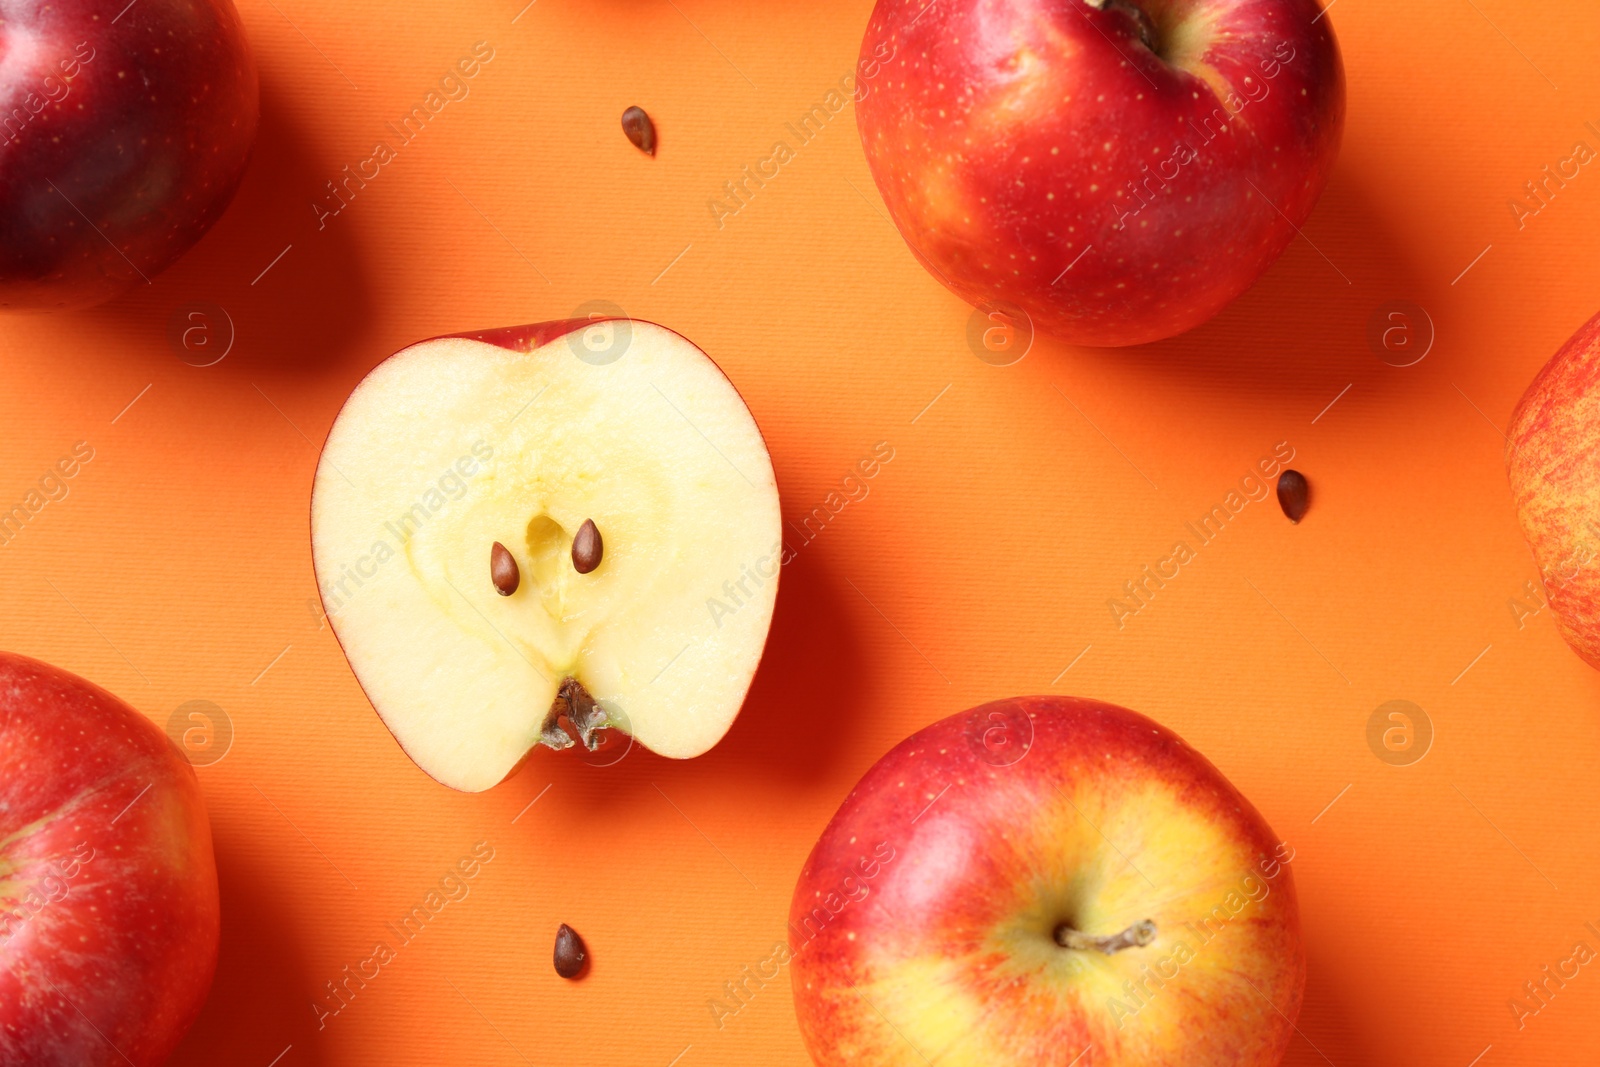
1038,877
1117,169
1553,458
108,888
123,135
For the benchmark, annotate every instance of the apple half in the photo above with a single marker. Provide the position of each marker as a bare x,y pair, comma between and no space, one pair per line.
462,450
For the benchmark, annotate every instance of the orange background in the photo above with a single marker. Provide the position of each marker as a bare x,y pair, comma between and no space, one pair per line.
979,565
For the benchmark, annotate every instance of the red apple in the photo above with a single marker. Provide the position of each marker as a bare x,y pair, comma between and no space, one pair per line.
123,135
1037,877
574,520
108,888
1117,169
1553,458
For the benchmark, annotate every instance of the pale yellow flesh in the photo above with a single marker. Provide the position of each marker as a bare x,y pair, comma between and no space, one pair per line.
479,444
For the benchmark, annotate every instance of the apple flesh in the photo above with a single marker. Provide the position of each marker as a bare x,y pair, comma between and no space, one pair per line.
108,888
1120,170
520,437
1036,877
123,136
1553,460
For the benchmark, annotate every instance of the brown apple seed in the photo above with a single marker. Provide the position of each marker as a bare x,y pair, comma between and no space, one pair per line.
571,952
503,570
640,130
1294,495
587,547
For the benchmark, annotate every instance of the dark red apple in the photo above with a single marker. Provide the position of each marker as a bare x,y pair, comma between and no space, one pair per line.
1036,878
1117,169
123,135
108,888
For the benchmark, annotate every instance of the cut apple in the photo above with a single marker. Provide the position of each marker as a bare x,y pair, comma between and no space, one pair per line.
617,433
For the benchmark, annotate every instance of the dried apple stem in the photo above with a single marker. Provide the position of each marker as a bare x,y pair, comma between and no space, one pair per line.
1139,934
581,710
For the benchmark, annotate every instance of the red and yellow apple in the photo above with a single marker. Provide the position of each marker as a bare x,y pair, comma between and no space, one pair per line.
573,521
1120,170
108,889
1038,877
124,131
1553,459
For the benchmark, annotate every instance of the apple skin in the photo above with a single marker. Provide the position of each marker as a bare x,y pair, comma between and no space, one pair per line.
1553,461
922,925
533,335
143,123
1008,137
108,888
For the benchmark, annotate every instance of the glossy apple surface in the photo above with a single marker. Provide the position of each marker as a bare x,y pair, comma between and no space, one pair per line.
445,522
981,899
108,888
1118,169
124,133
1553,459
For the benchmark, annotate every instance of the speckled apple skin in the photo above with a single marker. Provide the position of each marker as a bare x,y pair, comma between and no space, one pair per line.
1553,459
1008,137
129,132
952,861
109,918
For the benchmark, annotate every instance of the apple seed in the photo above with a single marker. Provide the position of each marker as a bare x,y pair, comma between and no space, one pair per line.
1294,495
587,547
503,570
640,130
571,952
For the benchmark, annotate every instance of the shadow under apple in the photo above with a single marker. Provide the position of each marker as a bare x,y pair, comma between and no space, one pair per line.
260,999
292,297
810,702
1305,323
1324,1030
808,705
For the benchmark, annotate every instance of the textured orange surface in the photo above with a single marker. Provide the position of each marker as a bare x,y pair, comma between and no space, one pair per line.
1018,501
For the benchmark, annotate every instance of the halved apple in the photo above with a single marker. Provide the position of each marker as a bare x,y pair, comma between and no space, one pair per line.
616,432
